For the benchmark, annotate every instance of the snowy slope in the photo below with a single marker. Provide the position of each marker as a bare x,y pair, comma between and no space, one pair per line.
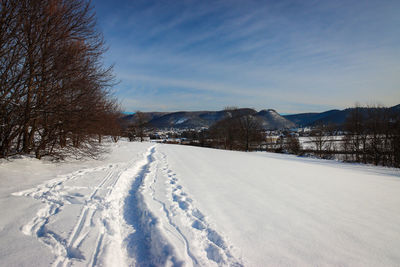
154,204
271,120
282,210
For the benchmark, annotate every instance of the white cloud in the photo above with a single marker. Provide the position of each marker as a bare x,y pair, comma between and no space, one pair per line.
313,54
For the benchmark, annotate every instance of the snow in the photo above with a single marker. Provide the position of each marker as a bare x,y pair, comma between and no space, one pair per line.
181,120
157,204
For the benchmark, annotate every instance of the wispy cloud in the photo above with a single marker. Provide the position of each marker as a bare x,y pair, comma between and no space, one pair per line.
289,55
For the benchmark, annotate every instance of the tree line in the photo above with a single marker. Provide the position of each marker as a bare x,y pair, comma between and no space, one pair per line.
372,135
368,135
54,90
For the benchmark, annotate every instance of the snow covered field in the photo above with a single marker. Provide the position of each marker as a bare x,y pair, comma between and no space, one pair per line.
155,204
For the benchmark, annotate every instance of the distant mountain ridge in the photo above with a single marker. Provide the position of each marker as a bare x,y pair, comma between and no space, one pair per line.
269,118
333,116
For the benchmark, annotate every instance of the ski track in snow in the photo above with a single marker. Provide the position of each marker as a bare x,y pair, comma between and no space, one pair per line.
55,196
145,243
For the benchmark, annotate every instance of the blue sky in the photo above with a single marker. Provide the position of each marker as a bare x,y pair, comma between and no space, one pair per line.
293,56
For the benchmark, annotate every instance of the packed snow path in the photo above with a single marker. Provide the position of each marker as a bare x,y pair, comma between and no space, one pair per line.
113,225
165,205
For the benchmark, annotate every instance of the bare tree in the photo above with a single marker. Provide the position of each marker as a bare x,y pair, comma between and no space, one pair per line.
292,144
226,130
55,90
356,135
374,126
320,138
250,130
11,75
137,129
395,140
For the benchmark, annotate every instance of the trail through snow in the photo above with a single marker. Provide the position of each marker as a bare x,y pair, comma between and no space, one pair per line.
163,205
115,219
97,223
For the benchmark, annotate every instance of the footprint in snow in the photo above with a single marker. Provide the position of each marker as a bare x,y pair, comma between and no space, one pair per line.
215,247
198,225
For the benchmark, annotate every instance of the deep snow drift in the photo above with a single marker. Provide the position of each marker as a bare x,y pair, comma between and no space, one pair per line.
151,204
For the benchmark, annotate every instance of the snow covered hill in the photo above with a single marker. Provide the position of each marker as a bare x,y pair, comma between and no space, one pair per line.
153,204
269,119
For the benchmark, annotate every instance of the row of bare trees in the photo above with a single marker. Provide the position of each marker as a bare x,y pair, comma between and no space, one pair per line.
372,136
369,135
54,90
